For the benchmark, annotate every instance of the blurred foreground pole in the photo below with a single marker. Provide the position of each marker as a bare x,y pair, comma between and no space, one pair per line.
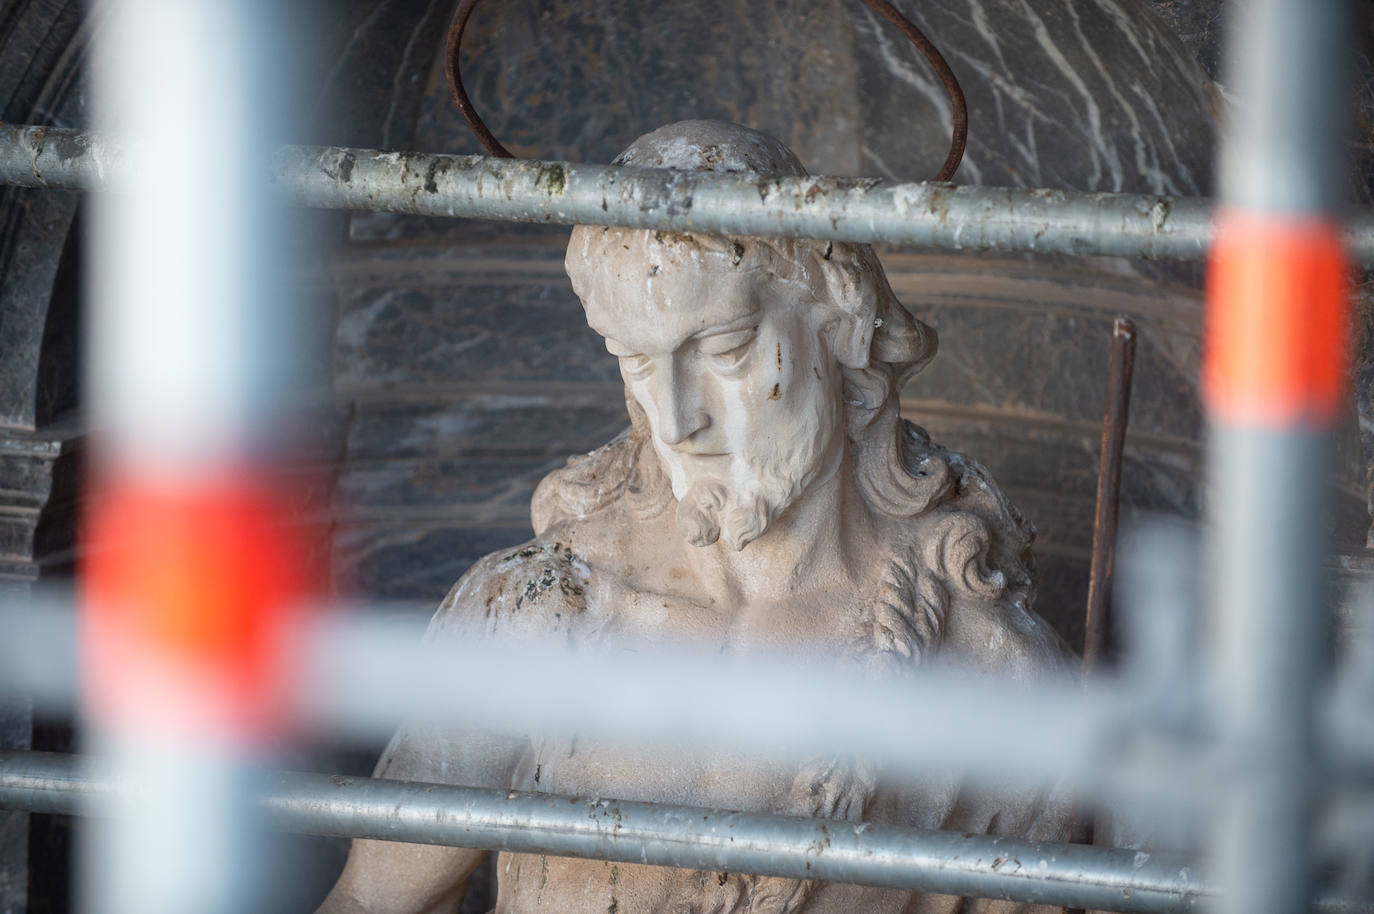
187,574
1274,379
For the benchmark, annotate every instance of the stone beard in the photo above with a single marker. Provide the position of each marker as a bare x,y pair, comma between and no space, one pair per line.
760,486
752,472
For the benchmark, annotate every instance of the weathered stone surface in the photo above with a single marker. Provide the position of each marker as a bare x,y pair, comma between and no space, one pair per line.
368,69
40,83
27,476
42,49
448,415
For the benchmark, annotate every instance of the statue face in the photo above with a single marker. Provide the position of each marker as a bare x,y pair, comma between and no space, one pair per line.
731,368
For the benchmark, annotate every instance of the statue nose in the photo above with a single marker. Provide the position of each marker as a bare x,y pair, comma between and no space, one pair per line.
680,412
677,427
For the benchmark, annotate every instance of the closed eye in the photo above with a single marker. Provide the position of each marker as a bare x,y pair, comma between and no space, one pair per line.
636,366
727,352
730,359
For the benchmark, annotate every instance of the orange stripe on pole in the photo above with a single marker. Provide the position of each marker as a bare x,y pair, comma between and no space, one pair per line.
1278,302
188,591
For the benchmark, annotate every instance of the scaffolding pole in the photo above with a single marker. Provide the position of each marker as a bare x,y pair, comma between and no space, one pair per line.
914,859
1275,380
964,218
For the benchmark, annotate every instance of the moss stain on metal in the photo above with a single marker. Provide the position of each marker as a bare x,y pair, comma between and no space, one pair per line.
552,179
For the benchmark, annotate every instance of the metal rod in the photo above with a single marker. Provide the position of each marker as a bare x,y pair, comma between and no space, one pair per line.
842,209
913,859
188,358
923,860
1097,622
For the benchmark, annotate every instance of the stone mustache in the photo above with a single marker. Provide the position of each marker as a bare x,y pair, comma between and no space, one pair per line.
767,496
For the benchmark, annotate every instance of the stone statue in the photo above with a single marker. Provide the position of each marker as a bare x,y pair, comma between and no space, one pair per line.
767,496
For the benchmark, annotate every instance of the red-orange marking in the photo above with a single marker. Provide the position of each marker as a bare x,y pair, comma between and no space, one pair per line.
1278,303
187,590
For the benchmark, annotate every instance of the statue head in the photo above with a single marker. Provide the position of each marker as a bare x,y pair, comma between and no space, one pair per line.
752,365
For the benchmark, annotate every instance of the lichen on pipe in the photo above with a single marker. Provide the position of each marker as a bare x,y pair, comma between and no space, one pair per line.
840,209
919,215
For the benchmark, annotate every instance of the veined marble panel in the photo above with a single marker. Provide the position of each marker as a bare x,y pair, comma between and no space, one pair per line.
1071,94
466,332
1080,94
474,490
494,420
411,561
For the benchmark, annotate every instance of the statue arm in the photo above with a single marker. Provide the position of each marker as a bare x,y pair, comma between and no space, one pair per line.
386,877
390,877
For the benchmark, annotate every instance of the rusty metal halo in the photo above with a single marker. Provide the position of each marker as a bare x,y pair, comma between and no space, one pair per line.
958,107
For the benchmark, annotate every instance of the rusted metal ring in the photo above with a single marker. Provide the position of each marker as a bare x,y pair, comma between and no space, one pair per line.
959,109
455,83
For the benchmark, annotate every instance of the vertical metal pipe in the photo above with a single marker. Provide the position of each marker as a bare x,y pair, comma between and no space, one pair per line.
1273,379
185,576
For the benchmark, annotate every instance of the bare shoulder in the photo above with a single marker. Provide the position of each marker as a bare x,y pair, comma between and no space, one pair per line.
608,505
1004,637
538,587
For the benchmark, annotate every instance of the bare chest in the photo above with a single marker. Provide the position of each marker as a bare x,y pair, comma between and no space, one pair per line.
815,623
622,617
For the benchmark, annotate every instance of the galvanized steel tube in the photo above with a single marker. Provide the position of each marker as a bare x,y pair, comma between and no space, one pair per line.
1274,379
914,859
922,860
841,209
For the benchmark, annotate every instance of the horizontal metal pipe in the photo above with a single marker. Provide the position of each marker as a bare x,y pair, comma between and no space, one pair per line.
841,209
915,859
912,859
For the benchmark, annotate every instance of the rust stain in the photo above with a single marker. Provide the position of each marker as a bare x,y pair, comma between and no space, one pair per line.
776,393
